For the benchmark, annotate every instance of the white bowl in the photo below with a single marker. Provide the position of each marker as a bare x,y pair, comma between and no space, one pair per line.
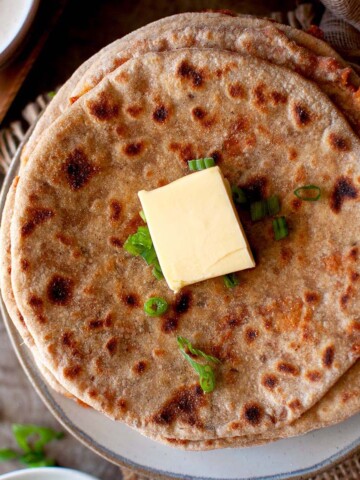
16,17
48,473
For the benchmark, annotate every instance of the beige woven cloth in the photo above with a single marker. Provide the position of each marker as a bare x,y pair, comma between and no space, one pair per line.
18,401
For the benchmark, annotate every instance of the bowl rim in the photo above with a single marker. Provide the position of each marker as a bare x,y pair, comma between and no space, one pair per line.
20,35
70,474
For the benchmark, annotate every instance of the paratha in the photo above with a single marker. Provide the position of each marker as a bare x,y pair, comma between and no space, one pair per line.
187,83
182,30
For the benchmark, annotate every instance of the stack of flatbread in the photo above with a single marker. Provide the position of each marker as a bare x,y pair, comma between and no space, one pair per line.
277,109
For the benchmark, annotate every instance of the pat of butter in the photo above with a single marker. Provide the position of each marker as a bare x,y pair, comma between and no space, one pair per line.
195,229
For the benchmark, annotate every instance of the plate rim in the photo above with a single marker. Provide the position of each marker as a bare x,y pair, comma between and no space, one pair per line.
43,392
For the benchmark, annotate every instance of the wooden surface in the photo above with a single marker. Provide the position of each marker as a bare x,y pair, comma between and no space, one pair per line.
14,73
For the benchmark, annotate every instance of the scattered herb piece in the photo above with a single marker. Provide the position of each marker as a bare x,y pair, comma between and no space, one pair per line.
238,194
184,343
155,306
201,164
140,243
258,210
264,208
205,372
273,205
280,228
32,440
308,193
231,280
51,94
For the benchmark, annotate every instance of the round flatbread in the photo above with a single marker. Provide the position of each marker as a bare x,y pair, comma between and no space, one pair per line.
282,343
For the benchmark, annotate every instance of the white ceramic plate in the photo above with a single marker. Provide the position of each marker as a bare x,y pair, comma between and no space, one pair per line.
291,458
50,473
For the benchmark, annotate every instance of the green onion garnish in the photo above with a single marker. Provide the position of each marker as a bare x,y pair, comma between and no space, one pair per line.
201,164
205,372
155,306
140,243
142,215
31,440
184,343
231,280
258,210
273,205
308,193
51,94
239,196
280,228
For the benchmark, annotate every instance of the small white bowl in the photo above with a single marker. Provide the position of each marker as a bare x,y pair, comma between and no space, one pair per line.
16,17
47,473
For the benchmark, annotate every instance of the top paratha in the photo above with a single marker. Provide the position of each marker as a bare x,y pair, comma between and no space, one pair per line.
81,292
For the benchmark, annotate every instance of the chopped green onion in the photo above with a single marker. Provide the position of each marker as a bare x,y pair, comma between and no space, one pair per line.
184,343
273,205
239,196
258,210
205,372
42,436
201,164
140,243
209,162
8,454
280,228
308,193
142,215
231,280
36,460
155,306
51,94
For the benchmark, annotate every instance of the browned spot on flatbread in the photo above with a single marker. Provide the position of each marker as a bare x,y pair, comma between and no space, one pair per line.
182,302
328,356
78,170
354,276
287,368
130,299
133,149
161,114
354,254
116,242
103,108
295,404
24,264
115,210
185,151
251,334
183,405
296,204
313,375
36,216
134,110
339,143
236,90
259,95
140,367
170,324
72,371
216,155
253,413
111,345
199,113
312,297
270,381
278,97
186,70
122,405
301,114
60,290
292,154
255,188
343,190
